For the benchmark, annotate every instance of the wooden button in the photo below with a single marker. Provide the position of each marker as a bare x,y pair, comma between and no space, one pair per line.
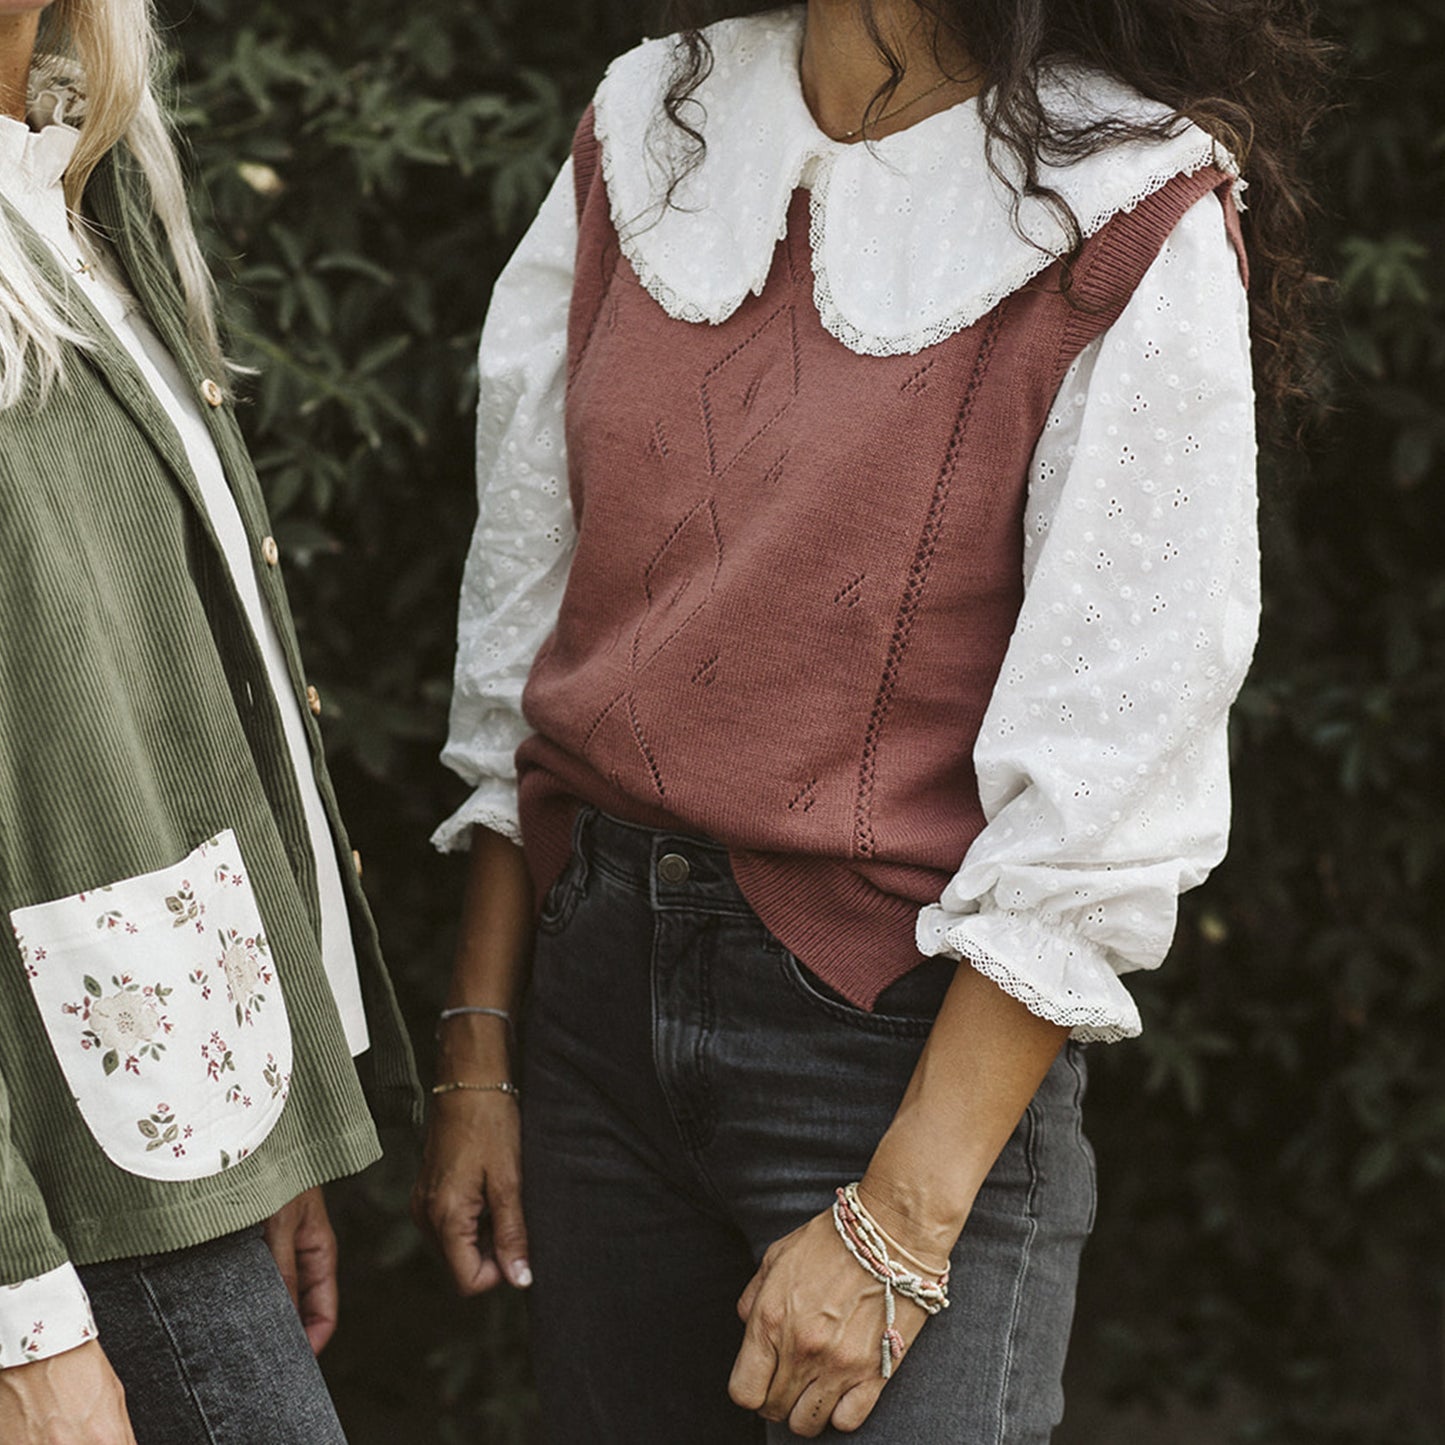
212,393
270,552
356,860
313,701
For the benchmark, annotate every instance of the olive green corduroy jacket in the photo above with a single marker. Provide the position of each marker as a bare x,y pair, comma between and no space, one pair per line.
137,722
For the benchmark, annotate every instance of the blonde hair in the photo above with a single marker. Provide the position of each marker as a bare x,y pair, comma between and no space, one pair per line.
112,49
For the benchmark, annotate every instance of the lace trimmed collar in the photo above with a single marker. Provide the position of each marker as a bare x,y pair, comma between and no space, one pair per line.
912,237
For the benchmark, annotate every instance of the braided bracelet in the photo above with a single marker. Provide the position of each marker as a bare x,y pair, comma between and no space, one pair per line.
870,1245
455,1084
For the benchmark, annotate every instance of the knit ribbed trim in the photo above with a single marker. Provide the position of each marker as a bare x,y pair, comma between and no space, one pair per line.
1107,275
801,901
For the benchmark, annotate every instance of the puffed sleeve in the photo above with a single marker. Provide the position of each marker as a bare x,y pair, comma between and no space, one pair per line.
522,546
1103,758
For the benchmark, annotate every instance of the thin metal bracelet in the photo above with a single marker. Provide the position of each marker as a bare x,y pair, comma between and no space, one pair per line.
468,1008
453,1085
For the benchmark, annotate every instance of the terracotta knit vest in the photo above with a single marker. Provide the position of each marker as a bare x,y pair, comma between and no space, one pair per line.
796,576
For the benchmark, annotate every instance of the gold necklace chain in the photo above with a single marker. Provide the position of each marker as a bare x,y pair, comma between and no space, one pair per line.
899,109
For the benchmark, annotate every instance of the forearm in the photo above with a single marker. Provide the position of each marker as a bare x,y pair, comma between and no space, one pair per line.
469,1193
493,947
983,1062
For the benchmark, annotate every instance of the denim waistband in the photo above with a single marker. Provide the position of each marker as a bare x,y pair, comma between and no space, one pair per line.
674,870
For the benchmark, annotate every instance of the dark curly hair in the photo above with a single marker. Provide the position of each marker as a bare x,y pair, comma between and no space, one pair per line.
1249,72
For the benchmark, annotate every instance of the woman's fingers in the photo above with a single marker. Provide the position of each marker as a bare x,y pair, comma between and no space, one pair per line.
815,1324
812,1362
509,1230
749,1296
461,1233
813,1412
468,1197
280,1235
318,1291
752,1375
451,1213
857,1405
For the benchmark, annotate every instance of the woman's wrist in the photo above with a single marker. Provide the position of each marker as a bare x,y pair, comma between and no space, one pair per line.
921,1189
925,1224
474,1045
983,1062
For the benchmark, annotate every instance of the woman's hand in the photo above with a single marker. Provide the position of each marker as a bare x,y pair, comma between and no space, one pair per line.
69,1399
815,1318
303,1245
469,1194
812,1354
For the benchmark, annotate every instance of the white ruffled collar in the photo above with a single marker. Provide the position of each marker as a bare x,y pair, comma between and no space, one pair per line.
33,161
912,237
35,152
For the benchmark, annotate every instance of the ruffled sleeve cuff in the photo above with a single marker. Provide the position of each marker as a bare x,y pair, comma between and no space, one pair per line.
44,1316
1051,968
493,805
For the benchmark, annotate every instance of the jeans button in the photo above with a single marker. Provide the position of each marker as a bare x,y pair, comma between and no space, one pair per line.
673,868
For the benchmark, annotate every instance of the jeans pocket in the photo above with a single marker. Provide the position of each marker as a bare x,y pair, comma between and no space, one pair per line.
906,1008
562,897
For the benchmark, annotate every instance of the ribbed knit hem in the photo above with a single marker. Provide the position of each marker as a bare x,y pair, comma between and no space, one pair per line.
853,935
851,925
1108,276
231,1207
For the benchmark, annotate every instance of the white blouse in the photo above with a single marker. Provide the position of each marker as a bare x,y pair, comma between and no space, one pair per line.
1102,761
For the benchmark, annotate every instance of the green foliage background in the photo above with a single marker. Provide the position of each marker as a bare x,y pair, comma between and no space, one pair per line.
1272,1152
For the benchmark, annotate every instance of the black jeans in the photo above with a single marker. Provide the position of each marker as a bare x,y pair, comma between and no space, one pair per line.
210,1348
692,1093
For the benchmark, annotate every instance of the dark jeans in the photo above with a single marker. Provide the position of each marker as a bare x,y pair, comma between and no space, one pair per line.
210,1348
692,1094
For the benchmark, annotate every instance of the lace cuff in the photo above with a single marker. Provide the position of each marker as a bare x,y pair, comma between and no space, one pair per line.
44,1316
1051,968
493,805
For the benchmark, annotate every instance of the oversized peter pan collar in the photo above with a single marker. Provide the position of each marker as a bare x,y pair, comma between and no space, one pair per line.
912,237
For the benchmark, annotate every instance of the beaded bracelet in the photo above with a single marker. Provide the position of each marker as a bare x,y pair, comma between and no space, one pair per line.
455,1084
871,1246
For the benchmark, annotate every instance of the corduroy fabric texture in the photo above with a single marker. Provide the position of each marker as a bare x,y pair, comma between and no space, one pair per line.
136,721
797,573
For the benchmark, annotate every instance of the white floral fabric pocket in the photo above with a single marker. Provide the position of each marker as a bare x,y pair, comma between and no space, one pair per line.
164,1008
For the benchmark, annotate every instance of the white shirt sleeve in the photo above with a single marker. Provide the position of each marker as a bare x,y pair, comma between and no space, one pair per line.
1103,759
525,535
44,1316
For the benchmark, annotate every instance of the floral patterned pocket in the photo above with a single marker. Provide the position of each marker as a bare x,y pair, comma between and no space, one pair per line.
164,1008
